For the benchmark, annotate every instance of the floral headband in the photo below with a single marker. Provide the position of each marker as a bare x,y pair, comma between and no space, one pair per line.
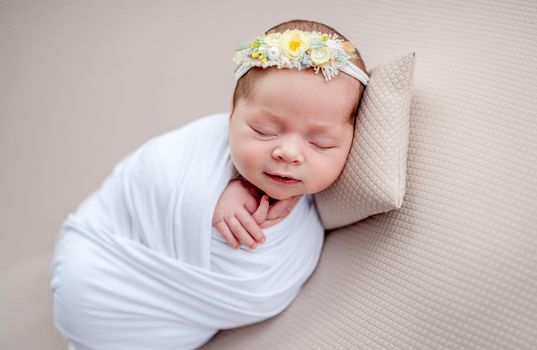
299,49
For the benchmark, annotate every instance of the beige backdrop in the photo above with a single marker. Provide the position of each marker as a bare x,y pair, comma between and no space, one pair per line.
84,82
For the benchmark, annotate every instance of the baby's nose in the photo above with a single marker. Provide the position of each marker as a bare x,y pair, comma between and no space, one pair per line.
289,150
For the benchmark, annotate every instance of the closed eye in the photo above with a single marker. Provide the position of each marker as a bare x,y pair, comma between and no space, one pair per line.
260,132
322,147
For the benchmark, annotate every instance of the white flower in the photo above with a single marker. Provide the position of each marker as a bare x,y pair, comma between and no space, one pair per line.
320,56
273,53
284,61
333,44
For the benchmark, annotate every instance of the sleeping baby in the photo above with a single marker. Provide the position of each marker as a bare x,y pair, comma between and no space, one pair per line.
145,261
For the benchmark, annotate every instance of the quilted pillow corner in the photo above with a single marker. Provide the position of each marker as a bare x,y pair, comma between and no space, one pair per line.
373,180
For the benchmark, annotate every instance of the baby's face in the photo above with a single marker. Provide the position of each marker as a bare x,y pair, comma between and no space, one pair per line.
292,135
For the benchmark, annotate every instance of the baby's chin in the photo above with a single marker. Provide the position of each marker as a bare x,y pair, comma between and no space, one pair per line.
273,194
279,195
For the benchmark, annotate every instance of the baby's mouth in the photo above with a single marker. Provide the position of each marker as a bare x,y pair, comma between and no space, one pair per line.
282,179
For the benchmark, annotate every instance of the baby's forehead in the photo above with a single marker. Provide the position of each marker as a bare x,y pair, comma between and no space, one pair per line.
307,77
290,88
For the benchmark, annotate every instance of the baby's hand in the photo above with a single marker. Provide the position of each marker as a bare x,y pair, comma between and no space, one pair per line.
267,215
233,214
239,218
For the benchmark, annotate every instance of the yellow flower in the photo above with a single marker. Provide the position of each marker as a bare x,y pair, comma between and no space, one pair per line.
294,43
320,56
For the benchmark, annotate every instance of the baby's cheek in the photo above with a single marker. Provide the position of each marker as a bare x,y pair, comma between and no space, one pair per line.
252,154
328,173
245,157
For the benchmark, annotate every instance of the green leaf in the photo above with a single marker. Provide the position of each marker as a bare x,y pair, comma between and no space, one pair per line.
316,43
244,45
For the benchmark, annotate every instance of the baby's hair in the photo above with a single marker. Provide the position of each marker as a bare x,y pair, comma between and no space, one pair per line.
246,83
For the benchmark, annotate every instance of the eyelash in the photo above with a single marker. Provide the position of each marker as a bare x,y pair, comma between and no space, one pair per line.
314,144
260,133
321,147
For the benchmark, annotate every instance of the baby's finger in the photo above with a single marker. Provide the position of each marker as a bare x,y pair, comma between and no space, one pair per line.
226,233
260,213
282,207
249,223
269,223
239,232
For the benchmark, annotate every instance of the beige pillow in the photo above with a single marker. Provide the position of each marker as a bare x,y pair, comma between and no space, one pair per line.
374,178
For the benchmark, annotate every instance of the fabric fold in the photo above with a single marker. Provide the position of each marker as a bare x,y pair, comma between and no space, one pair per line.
138,265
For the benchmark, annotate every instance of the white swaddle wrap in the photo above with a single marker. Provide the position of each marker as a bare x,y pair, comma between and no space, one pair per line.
139,265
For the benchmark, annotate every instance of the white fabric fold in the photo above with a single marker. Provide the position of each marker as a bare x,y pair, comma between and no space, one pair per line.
138,265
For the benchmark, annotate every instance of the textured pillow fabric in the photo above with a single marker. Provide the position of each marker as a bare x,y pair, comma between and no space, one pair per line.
374,177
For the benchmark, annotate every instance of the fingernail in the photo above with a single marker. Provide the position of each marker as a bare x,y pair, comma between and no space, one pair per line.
262,240
253,246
